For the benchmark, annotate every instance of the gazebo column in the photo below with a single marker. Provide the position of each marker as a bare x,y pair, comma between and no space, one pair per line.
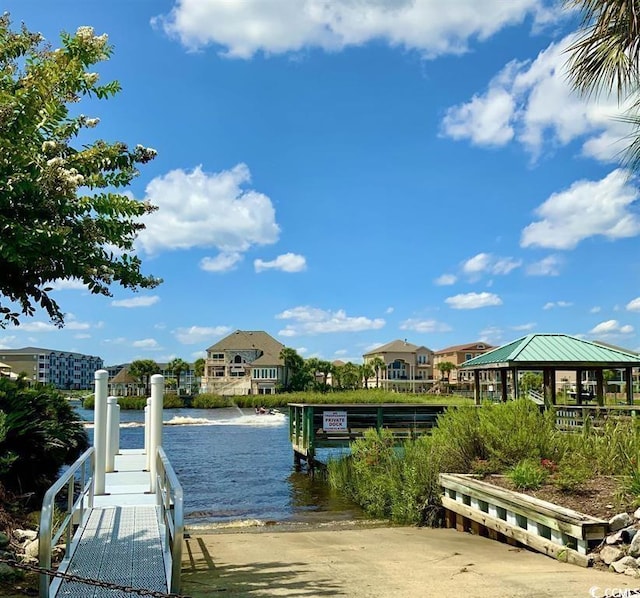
504,375
628,376
600,387
476,387
514,375
549,386
579,386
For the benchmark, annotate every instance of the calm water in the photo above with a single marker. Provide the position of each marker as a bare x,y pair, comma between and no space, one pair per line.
237,468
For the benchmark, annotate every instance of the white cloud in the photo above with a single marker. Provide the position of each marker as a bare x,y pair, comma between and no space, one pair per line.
533,103
287,262
634,304
524,327
473,300
149,344
548,266
491,335
389,310
312,320
424,325
488,263
70,324
7,342
198,354
142,301
341,352
446,280
81,336
587,208
596,309
68,284
199,334
242,29
223,262
552,304
611,328
197,209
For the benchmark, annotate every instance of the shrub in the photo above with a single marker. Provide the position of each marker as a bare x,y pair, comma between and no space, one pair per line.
456,440
41,432
528,474
573,471
516,430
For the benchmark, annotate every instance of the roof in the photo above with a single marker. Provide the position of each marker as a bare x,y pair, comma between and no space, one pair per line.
41,351
466,347
123,377
5,366
397,346
246,340
558,350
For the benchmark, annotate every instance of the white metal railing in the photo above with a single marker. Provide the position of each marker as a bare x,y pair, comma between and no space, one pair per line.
79,483
171,515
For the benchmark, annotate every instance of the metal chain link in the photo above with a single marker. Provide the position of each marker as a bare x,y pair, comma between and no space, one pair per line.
92,582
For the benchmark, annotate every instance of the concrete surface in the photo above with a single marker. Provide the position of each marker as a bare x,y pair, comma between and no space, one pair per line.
381,562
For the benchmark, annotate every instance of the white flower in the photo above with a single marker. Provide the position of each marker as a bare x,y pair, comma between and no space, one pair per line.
49,145
91,78
92,122
85,33
54,162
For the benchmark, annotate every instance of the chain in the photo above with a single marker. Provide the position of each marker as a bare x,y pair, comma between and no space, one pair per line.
92,582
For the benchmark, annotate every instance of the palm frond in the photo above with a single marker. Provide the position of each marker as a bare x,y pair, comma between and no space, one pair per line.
606,55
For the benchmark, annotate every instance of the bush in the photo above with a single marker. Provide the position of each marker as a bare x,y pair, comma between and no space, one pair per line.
137,403
528,474
209,401
41,432
573,471
456,440
516,430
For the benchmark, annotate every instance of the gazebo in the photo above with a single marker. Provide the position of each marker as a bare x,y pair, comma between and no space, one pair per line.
549,353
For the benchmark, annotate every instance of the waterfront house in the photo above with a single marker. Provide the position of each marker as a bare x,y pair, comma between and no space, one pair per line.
244,362
407,367
457,355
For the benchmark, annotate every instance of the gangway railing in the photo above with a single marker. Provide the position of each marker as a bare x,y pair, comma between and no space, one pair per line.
78,481
171,515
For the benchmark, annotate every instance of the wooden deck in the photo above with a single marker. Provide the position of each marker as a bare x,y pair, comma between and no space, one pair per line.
121,541
318,426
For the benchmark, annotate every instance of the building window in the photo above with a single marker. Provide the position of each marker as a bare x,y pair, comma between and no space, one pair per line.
467,356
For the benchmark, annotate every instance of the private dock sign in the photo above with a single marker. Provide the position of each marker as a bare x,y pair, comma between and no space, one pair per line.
334,421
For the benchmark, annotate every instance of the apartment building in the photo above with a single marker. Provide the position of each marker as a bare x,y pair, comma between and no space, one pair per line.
62,369
457,355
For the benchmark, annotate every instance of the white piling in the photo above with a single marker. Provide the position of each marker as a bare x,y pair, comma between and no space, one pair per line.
100,429
157,392
147,433
113,431
117,443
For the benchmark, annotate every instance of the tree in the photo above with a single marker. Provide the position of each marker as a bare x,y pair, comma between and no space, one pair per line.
366,371
606,57
177,366
530,381
60,214
445,368
350,376
198,367
143,369
378,364
325,368
293,364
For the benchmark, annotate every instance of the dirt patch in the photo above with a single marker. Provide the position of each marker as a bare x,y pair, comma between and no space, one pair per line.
599,497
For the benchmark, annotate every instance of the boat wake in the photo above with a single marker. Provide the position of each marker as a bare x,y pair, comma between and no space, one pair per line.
277,419
258,421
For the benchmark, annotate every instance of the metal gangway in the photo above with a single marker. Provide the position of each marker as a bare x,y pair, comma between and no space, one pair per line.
119,513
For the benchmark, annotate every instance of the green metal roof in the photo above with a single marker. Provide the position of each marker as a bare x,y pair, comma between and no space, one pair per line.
553,350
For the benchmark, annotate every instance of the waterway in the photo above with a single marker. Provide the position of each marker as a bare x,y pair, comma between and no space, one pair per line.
236,469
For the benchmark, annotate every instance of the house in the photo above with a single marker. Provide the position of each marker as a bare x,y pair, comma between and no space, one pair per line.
62,369
407,367
457,355
123,384
245,362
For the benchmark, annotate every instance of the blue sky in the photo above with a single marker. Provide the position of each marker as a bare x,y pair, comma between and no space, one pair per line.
342,174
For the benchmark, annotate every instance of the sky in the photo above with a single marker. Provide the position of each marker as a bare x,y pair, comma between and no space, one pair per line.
343,174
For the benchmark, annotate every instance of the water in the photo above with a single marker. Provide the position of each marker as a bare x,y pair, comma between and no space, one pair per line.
236,468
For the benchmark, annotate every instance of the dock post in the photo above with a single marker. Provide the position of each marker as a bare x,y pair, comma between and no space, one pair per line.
113,431
157,391
100,429
117,444
147,433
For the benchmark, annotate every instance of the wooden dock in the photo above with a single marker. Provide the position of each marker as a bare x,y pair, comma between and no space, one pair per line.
316,426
